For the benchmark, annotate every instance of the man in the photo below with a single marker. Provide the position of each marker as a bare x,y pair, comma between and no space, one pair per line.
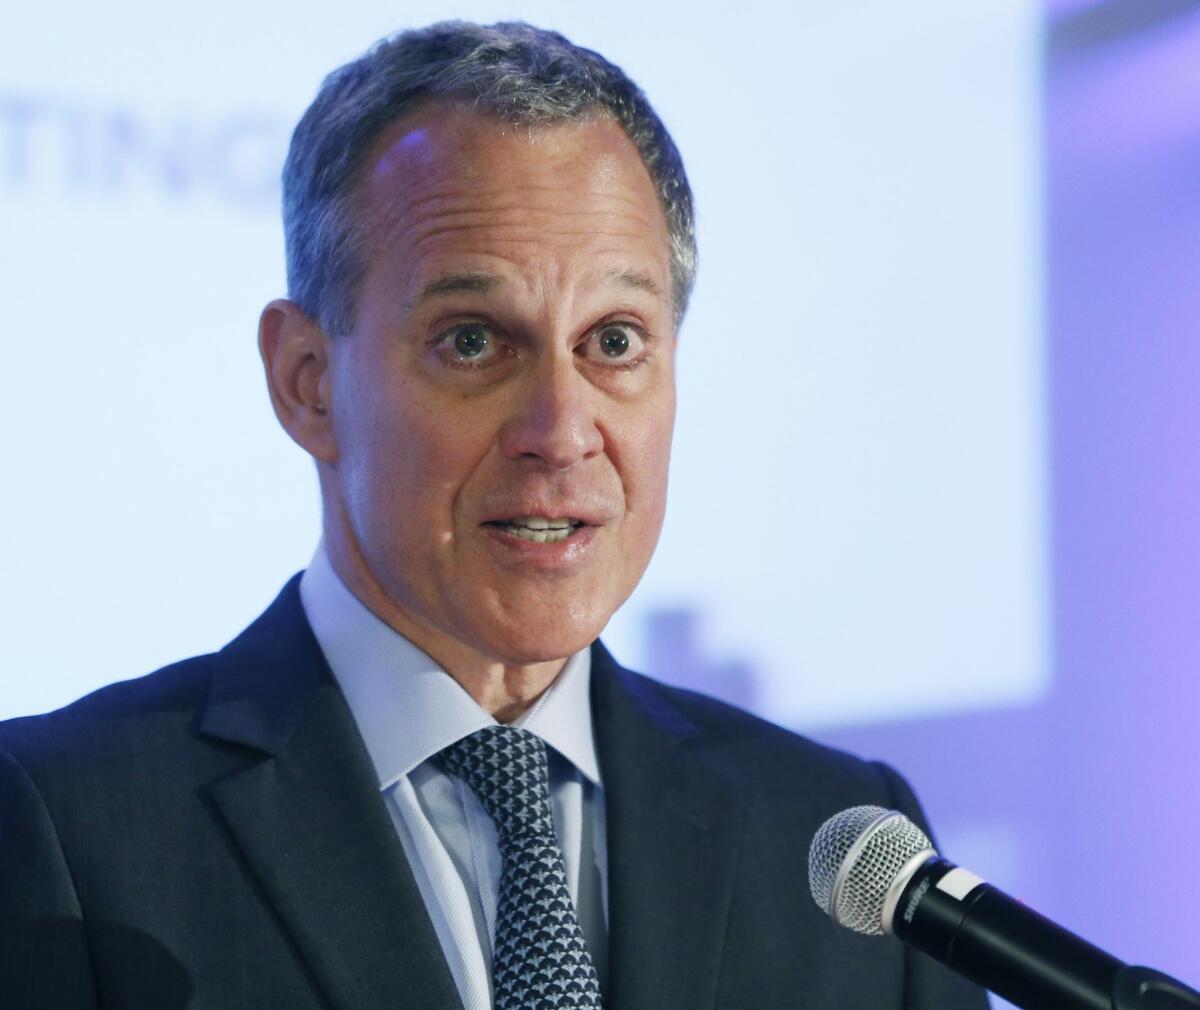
418,780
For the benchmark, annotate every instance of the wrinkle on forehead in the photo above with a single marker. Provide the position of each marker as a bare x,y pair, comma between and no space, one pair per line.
456,181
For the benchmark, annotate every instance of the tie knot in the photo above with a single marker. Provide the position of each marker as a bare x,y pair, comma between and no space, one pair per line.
507,769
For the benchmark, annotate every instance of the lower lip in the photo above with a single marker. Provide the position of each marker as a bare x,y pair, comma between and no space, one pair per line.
556,554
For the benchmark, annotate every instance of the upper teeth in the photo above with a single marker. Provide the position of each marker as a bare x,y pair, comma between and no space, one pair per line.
542,523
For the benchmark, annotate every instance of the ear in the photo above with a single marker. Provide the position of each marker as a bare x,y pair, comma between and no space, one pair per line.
295,355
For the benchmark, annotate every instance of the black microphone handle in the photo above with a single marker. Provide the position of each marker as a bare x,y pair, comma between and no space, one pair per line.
1010,949
1004,946
1146,989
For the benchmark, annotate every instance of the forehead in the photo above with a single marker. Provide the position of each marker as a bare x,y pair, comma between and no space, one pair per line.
447,182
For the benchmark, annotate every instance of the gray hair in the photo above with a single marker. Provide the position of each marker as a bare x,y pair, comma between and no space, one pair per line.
524,75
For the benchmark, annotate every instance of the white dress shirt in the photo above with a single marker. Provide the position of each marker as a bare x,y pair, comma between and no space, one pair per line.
408,709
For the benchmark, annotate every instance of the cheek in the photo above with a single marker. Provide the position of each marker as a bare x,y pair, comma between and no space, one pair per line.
649,457
404,459
644,468
382,449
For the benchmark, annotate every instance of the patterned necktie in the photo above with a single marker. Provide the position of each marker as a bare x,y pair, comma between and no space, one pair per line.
540,961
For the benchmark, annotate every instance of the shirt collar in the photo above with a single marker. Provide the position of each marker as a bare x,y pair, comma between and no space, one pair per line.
406,706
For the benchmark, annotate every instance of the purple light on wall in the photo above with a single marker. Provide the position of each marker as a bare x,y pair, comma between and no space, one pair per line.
1123,130
1086,804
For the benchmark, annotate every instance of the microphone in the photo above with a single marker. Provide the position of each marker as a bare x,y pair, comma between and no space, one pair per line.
875,872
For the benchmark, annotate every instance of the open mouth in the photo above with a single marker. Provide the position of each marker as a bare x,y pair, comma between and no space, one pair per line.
538,529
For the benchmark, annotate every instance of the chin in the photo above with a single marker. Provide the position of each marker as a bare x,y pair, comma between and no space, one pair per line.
522,622
537,642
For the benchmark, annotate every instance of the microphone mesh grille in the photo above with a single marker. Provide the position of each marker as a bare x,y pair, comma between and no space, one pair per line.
887,845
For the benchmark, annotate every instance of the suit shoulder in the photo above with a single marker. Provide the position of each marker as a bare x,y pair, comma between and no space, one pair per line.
117,715
769,754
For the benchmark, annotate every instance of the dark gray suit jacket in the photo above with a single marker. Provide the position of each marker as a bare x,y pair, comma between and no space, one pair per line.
212,836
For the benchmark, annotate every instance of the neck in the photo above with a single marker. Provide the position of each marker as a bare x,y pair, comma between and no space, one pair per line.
503,689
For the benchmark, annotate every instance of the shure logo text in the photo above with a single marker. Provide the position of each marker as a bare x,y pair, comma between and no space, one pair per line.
915,900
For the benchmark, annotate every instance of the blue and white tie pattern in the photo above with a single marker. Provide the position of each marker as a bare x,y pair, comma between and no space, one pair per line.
539,959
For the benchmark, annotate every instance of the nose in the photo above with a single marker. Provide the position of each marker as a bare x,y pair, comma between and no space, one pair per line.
554,418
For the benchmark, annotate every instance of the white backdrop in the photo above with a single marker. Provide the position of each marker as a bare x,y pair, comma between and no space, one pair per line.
857,521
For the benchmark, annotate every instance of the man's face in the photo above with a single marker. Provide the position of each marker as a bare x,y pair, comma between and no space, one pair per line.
511,367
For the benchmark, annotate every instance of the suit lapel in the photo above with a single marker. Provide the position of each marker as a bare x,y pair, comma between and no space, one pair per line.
312,825
673,824
315,832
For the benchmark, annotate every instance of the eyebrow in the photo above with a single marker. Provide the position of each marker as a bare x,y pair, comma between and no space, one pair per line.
454,283
635,279
481,283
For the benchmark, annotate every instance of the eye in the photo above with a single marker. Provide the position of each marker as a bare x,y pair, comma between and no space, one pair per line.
471,341
614,342
621,345
470,345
